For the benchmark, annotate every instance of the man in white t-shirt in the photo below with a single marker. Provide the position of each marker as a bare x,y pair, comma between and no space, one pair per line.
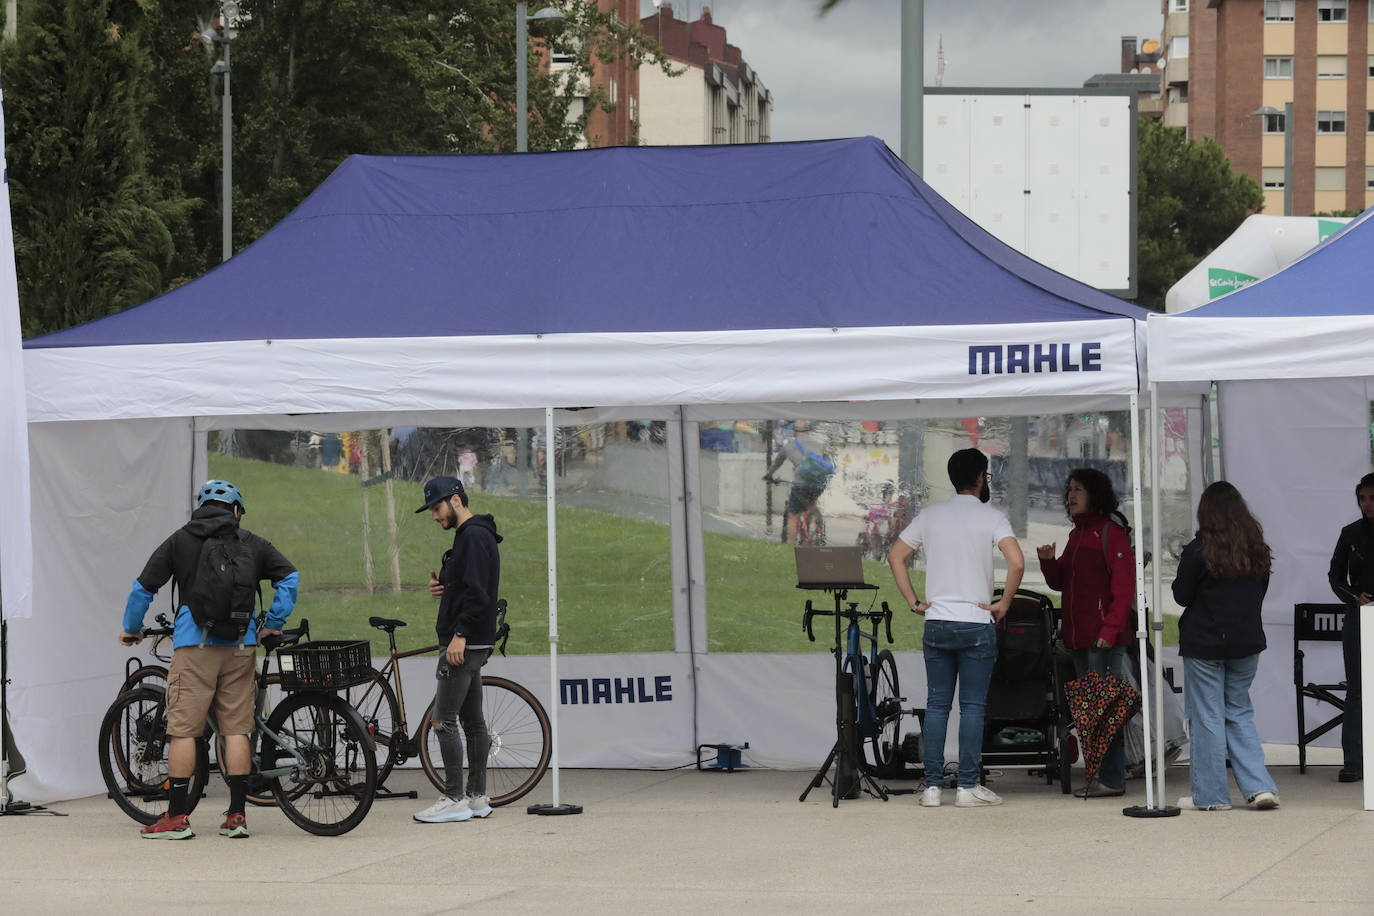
960,641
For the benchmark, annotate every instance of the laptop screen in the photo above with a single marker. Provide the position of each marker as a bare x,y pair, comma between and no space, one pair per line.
829,567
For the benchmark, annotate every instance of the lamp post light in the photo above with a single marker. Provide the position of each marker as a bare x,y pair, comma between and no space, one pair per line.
228,28
522,24
1269,111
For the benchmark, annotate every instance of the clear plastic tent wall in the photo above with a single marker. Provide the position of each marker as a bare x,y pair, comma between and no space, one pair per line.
654,291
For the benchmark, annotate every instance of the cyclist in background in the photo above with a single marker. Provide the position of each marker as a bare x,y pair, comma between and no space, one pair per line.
811,471
208,669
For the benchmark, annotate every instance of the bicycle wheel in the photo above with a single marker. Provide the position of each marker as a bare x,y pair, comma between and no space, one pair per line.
154,675
376,703
133,756
259,792
886,745
521,742
332,791
811,530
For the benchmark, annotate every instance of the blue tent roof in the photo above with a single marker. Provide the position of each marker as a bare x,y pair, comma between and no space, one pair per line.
836,233
1335,278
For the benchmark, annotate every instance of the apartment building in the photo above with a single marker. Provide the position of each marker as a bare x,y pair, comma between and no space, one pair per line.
1232,67
719,99
1139,76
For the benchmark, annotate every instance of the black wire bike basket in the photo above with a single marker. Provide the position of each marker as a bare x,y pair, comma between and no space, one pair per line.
326,664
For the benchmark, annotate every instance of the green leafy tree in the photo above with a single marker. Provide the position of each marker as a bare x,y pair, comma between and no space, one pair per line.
1189,202
91,229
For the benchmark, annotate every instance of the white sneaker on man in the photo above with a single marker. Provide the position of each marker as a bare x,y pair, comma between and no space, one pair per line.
480,805
1265,801
976,797
930,798
446,810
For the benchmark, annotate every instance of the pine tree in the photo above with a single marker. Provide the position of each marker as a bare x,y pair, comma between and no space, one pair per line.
91,233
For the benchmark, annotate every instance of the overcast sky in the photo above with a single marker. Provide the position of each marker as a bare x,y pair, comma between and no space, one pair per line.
838,75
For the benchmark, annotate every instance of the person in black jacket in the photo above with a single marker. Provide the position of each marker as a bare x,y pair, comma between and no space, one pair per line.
466,586
1352,579
1221,580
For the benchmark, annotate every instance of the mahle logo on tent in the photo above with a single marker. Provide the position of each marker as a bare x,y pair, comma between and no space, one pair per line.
1221,281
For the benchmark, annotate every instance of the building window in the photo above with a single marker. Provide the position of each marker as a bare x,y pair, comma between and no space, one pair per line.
1278,10
1332,10
1180,6
1331,178
1275,123
1178,47
634,110
1178,93
1371,57
1330,66
1278,68
1369,126
1369,177
1331,122
1273,177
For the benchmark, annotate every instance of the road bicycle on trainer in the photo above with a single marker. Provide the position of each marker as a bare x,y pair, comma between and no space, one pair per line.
521,737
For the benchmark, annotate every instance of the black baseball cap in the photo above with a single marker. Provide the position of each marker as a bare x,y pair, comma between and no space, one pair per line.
440,488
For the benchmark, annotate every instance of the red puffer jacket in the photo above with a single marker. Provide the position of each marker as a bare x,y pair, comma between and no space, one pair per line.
1097,598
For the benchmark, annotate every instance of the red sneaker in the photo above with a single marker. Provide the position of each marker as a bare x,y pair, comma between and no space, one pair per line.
234,826
169,828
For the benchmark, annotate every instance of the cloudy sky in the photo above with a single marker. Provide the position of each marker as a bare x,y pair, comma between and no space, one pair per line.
838,75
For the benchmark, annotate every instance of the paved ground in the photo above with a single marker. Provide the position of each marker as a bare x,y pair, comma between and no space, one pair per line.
690,842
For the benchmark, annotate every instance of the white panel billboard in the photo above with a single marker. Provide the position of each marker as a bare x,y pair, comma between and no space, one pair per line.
1050,172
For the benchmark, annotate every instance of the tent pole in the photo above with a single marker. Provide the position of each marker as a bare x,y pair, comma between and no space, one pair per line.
1156,588
1150,808
551,501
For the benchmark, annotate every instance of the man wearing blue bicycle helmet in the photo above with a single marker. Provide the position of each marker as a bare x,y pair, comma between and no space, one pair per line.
215,567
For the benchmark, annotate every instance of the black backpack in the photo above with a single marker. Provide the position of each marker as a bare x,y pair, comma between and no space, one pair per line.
220,594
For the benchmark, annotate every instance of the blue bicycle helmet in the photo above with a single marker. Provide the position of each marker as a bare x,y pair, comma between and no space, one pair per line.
220,491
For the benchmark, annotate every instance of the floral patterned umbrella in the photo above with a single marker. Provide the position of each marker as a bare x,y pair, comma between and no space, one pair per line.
1101,705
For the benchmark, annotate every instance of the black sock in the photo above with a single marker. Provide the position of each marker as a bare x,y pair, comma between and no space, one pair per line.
238,792
177,797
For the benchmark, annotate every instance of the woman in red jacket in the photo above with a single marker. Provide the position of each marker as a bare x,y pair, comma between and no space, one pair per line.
1096,575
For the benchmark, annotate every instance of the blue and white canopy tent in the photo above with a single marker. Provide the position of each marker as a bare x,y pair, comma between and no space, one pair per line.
686,284
1294,367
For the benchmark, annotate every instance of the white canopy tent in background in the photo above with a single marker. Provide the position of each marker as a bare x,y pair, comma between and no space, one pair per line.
818,280
1294,365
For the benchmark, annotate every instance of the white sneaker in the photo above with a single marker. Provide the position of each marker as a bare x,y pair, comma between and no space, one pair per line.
1186,803
930,798
480,805
1265,801
445,810
976,797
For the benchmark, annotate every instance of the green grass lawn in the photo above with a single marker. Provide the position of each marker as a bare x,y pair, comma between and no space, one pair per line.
614,573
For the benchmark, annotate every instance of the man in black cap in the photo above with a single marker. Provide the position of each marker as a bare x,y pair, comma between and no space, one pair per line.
466,585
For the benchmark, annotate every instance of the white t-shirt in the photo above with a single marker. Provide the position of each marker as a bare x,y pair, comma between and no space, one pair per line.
959,535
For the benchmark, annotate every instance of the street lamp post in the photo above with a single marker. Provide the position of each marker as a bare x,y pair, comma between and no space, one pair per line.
522,50
1268,111
228,19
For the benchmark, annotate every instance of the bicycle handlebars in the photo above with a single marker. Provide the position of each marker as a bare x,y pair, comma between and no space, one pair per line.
850,613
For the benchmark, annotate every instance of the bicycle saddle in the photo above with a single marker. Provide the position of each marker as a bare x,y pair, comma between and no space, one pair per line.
385,623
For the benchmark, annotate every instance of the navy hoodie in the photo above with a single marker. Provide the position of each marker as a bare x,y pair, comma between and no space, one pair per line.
471,576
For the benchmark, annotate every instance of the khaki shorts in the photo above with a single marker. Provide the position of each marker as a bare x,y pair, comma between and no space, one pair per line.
206,677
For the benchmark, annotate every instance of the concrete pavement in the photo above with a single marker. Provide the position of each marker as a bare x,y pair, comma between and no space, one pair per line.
691,842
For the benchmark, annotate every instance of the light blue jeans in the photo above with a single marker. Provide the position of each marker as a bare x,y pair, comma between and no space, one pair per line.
1221,723
962,652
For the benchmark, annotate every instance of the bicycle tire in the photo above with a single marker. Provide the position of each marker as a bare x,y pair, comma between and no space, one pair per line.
811,528
381,712
521,742
133,747
339,779
157,674
885,694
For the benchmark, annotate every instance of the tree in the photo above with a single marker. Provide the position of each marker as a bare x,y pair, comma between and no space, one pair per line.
90,227
1189,201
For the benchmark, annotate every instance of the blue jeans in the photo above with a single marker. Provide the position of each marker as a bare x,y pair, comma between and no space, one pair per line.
963,652
1111,660
1352,745
1221,722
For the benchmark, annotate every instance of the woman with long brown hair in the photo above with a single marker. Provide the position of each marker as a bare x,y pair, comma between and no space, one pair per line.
1222,577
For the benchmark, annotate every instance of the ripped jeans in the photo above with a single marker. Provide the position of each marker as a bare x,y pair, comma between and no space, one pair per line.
458,699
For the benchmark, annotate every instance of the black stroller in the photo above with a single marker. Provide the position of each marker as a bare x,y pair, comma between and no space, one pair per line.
1027,721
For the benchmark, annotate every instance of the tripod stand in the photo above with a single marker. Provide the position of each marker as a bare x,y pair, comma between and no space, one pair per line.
845,754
